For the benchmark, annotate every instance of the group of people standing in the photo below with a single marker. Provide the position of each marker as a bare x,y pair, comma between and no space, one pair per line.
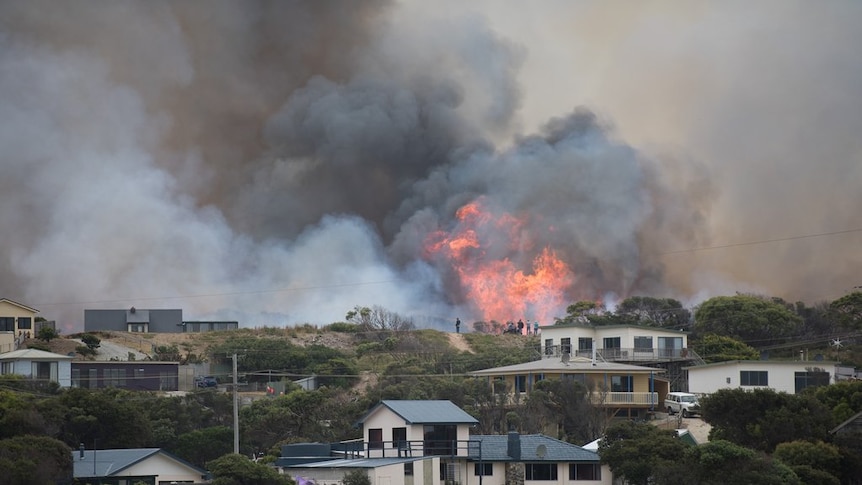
520,328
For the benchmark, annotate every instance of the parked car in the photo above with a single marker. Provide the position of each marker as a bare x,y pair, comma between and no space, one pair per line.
682,402
206,381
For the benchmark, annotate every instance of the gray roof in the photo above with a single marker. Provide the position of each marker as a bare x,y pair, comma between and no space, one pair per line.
33,354
110,462
495,448
358,462
576,365
425,412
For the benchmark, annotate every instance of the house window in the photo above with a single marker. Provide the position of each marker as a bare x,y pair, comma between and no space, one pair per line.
612,347
45,371
115,377
408,469
670,347
167,382
753,378
643,343
810,379
622,384
539,377
585,471
566,345
93,379
76,377
399,438
7,324
585,344
375,439
7,368
25,323
540,471
140,375
439,439
549,346
483,469
520,383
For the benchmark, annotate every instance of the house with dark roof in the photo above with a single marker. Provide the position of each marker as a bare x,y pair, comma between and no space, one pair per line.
140,320
429,442
152,466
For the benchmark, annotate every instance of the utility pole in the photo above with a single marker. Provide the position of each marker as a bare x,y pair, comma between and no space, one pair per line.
235,410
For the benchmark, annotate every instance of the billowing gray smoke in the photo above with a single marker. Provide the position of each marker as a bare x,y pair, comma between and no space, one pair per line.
282,162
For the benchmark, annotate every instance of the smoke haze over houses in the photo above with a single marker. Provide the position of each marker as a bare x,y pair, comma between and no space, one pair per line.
282,162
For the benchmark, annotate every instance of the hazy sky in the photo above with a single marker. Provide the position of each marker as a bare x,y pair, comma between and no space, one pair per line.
280,163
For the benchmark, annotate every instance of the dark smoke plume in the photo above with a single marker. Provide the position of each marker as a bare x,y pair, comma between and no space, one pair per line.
282,162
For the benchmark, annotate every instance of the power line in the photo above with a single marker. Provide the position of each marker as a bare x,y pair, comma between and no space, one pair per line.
762,241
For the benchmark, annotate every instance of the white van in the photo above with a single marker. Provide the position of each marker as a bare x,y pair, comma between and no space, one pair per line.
681,402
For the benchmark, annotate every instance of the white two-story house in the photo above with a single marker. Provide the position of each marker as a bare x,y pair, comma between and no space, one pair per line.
643,345
429,443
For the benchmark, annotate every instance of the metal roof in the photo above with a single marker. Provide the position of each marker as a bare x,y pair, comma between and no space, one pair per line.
576,365
106,463
20,305
534,448
359,462
32,354
425,412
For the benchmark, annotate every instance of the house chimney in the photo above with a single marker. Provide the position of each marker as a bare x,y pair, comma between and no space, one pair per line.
514,448
81,448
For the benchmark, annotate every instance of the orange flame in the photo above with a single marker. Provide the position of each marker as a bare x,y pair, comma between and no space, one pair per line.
495,285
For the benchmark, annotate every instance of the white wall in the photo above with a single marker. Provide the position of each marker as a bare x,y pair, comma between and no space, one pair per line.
627,335
781,375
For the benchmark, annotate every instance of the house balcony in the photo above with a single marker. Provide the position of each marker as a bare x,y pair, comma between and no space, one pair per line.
625,355
407,448
627,399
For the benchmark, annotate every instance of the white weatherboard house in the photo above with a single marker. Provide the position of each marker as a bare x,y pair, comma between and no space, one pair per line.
151,466
782,376
38,365
629,343
429,443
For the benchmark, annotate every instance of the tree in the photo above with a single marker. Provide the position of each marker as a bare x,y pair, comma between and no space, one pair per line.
719,462
763,418
565,403
844,398
660,312
379,318
755,320
356,477
639,451
233,469
29,459
847,310
85,416
204,445
813,462
718,348
91,341
47,333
